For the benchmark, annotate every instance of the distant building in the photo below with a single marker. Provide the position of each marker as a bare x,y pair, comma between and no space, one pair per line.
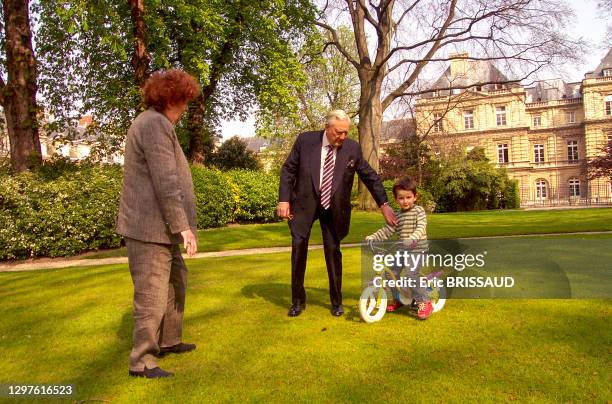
256,144
544,134
76,144
395,131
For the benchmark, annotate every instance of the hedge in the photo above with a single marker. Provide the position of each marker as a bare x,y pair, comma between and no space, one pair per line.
256,194
66,208
215,197
70,213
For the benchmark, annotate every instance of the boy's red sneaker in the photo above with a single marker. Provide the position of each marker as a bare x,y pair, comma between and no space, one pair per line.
394,306
425,310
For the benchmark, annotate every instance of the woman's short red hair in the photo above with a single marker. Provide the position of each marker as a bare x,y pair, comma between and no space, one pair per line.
169,87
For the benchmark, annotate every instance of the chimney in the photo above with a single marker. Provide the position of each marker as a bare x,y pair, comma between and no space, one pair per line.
459,65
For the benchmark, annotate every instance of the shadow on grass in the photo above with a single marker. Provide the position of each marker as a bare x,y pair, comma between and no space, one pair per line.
105,370
280,294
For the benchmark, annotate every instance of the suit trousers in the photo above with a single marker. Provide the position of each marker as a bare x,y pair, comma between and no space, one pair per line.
159,276
333,259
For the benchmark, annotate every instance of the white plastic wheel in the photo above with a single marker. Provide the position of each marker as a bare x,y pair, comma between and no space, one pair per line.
371,308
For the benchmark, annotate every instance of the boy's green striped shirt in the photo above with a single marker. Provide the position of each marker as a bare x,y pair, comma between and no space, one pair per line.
411,226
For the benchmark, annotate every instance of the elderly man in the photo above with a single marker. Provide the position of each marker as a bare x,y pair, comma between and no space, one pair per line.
315,183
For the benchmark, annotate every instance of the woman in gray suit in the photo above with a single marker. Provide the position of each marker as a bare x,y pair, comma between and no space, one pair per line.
156,214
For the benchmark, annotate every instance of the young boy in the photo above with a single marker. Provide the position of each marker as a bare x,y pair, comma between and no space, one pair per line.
411,229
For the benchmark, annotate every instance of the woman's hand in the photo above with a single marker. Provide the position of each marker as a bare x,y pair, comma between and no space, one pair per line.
190,243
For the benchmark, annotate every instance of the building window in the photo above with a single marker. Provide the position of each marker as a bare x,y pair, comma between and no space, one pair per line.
541,189
435,93
468,119
537,120
572,151
608,104
538,153
571,117
502,153
607,72
574,187
437,123
498,86
500,116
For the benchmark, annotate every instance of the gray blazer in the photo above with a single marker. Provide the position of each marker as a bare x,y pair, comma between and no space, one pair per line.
157,200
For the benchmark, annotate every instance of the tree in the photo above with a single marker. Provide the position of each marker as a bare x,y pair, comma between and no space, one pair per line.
409,157
240,51
18,94
601,166
398,42
330,83
233,153
605,9
469,182
140,57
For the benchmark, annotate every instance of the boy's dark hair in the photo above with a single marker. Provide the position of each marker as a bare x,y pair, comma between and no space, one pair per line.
405,184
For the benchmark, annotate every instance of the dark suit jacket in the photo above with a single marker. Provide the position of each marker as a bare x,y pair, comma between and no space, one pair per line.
157,200
299,182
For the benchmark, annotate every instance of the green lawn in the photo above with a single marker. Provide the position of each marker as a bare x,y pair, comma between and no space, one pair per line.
74,326
440,226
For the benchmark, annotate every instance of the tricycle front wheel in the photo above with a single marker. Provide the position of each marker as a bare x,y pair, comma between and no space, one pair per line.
372,304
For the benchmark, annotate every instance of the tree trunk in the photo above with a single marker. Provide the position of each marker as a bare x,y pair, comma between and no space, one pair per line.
140,58
19,93
195,126
196,112
370,125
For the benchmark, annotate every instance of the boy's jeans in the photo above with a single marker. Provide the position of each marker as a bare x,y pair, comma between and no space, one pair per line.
411,271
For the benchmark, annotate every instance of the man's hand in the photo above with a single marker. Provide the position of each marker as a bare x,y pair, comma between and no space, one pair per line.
283,210
190,243
388,215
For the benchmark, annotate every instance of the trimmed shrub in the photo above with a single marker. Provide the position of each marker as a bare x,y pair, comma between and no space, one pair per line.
216,197
257,195
74,212
65,208
512,196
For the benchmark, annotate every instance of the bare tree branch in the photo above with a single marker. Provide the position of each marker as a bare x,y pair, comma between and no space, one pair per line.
406,11
442,36
358,17
369,16
336,43
419,67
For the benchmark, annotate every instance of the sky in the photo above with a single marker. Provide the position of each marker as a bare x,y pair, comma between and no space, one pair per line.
588,26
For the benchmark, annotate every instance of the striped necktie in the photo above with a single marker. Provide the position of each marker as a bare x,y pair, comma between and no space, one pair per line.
328,173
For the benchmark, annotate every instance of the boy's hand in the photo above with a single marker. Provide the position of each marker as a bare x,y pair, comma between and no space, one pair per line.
388,215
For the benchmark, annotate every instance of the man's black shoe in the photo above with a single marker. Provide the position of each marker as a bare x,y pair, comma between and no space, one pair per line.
337,310
296,309
155,373
178,349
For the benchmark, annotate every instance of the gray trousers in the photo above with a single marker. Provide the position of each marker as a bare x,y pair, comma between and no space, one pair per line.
159,276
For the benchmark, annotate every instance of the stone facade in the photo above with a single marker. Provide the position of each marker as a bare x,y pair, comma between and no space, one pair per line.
543,134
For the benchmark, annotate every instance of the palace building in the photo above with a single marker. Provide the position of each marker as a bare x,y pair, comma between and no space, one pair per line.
543,134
